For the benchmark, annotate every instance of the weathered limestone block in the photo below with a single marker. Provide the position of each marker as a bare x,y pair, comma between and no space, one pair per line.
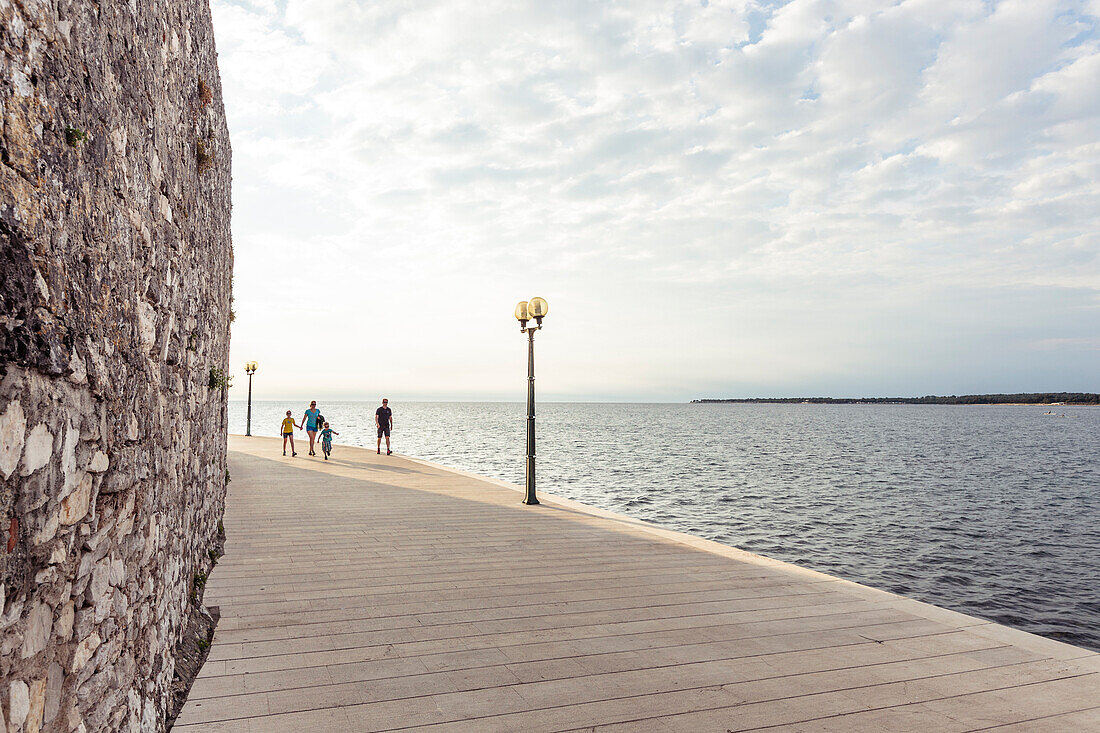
19,704
37,707
37,451
84,651
74,506
70,476
37,632
12,424
115,280
48,529
64,626
99,462
54,680
13,612
97,593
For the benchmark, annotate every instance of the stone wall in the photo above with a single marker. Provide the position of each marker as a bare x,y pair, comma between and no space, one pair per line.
115,287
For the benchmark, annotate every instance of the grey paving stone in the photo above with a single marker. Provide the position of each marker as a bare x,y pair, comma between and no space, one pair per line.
383,593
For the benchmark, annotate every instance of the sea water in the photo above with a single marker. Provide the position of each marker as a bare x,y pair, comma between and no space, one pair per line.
992,511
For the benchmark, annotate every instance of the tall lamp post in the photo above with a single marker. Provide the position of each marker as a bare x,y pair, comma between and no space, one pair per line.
527,310
250,369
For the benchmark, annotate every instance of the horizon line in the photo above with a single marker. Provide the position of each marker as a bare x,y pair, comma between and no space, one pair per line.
664,402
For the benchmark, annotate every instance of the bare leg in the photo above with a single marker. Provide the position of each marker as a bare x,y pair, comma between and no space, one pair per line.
379,446
388,451
292,451
284,445
312,437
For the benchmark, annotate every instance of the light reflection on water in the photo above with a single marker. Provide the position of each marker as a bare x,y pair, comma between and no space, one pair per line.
991,511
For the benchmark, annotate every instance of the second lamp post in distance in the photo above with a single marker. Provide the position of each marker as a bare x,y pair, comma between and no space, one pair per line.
249,369
531,310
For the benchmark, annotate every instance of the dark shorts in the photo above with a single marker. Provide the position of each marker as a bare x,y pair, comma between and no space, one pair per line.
383,430
288,435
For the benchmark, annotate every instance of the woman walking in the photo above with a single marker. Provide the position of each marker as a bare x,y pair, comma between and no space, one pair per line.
310,420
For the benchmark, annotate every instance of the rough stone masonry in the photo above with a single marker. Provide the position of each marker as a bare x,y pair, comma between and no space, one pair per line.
115,286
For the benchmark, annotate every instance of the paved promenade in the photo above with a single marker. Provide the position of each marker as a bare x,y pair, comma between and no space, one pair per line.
372,593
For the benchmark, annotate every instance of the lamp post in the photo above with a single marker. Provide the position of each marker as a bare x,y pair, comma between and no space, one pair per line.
527,310
250,369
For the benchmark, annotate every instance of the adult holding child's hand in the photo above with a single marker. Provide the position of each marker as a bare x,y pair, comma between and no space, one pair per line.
310,419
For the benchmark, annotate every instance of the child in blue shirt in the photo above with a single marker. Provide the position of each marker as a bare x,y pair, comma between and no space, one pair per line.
326,440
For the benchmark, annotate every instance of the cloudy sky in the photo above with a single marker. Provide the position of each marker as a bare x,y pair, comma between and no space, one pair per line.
723,198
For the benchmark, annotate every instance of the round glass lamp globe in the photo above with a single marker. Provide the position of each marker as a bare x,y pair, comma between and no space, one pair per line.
537,307
521,311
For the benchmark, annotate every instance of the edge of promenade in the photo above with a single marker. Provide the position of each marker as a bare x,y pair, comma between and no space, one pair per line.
990,629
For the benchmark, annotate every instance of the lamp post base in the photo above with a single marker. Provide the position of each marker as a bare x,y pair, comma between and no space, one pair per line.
530,498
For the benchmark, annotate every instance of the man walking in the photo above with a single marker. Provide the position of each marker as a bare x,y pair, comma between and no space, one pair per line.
383,418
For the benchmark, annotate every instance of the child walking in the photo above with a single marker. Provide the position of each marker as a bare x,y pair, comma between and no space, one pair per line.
288,433
326,440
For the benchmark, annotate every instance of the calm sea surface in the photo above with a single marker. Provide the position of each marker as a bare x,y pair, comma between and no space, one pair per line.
992,511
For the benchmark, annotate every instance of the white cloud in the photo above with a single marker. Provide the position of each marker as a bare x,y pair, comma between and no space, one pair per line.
770,154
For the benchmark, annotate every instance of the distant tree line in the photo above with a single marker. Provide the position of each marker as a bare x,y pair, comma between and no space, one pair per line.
1026,398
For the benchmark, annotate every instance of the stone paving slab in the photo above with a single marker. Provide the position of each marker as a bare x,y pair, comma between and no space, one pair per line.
375,593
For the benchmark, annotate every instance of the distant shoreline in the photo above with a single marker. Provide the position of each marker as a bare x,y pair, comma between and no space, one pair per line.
1038,399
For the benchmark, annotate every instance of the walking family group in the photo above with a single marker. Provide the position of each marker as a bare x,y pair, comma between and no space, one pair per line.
313,422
